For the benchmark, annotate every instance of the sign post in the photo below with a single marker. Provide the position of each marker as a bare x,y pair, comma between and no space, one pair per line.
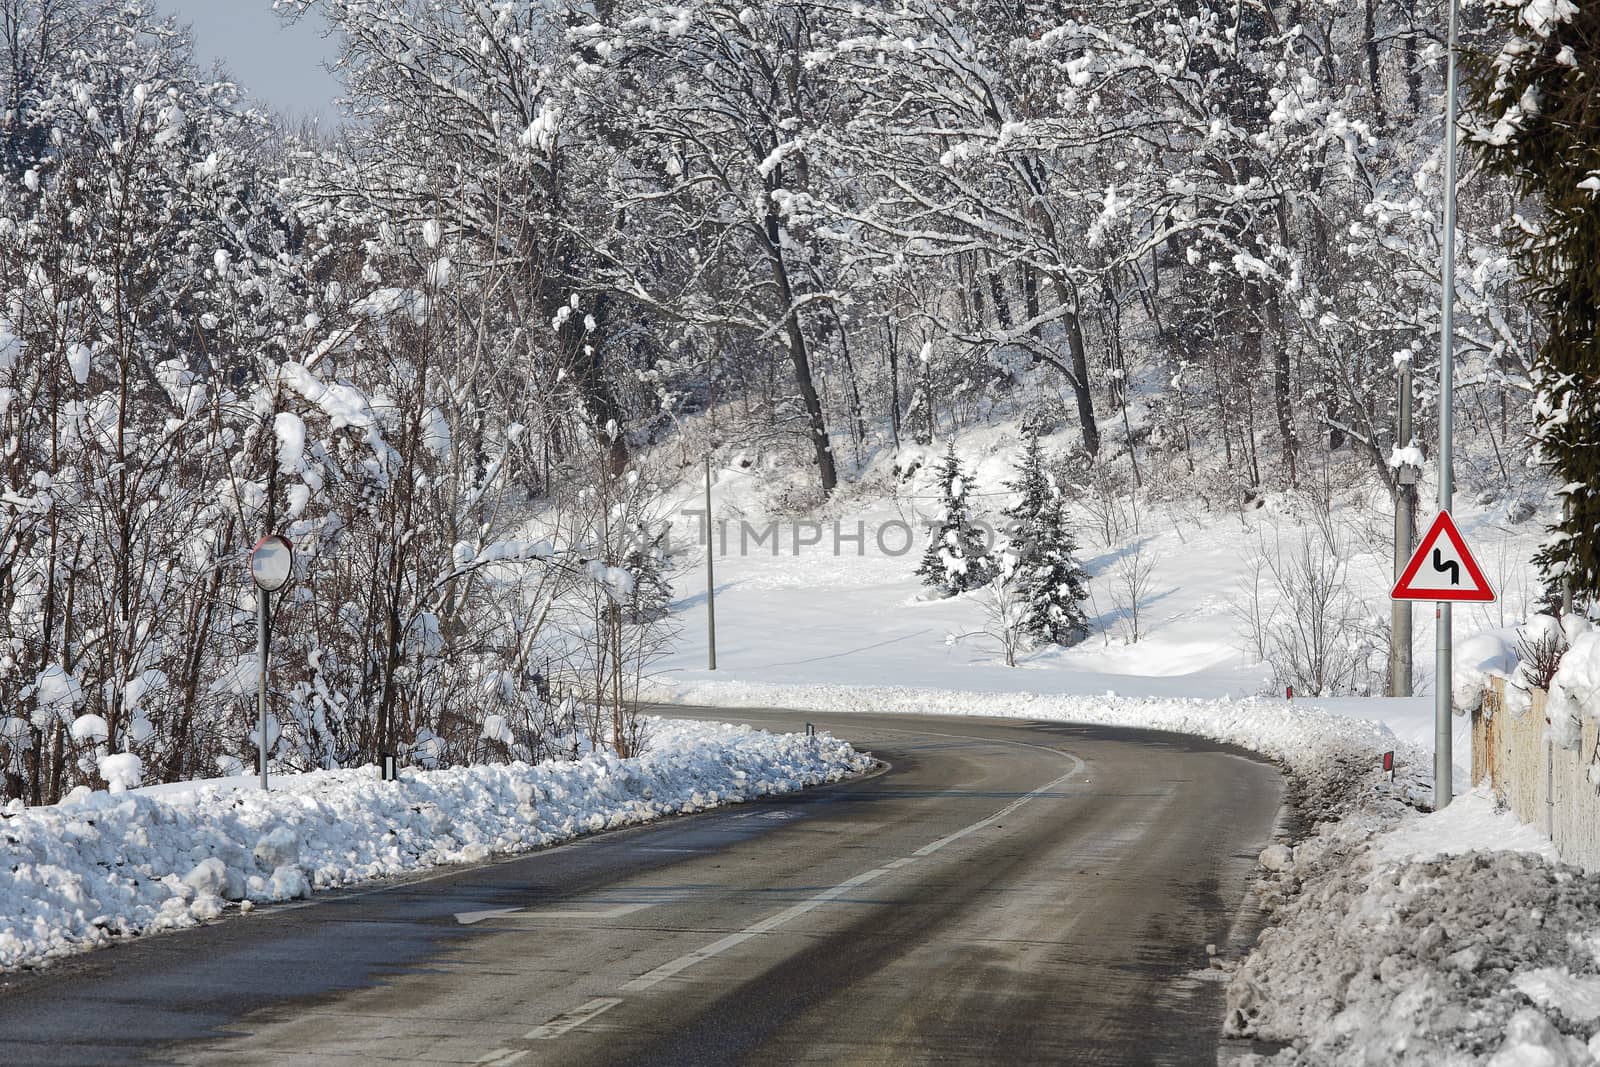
1442,786
271,565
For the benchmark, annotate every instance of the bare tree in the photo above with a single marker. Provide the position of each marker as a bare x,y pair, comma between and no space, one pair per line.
1133,579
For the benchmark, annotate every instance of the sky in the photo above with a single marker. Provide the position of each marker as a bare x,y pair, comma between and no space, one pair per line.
281,66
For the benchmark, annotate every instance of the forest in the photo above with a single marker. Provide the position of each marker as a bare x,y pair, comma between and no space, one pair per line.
442,344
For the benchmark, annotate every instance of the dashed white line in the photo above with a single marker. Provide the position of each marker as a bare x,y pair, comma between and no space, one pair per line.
930,849
771,922
573,1019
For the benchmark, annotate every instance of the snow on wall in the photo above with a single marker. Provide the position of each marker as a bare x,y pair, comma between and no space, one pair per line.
79,874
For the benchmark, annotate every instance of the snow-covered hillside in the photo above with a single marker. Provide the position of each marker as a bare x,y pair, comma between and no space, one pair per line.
831,599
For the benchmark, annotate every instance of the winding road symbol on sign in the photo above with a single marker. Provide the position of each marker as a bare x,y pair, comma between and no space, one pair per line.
1442,568
1441,565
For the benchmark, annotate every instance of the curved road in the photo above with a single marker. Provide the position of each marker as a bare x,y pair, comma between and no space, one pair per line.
1008,891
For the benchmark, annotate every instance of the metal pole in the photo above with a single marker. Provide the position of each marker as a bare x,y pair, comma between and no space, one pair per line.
1400,610
711,581
262,598
1442,784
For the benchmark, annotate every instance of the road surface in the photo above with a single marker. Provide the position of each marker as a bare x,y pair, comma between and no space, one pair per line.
1006,892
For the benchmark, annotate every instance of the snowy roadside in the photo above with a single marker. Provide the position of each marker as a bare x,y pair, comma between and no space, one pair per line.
1451,938
99,867
1331,758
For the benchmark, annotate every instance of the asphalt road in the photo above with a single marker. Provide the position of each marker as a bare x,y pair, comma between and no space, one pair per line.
1007,892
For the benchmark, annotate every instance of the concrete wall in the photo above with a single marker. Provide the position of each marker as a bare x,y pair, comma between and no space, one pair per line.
1544,786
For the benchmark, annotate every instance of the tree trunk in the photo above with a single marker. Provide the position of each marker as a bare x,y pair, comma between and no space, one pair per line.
1261,307
858,416
1371,34
997,292
800,356
1080,369
584,354
894,386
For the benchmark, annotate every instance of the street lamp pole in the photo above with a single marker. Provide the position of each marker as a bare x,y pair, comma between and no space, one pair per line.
711,582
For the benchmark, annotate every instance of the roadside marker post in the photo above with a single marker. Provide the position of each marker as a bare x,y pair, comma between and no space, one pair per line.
271,566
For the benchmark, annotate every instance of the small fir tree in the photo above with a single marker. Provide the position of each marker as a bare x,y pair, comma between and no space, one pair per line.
1049,581
957,559
651,595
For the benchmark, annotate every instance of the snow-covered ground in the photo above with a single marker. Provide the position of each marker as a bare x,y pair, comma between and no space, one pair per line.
1455,937
102,866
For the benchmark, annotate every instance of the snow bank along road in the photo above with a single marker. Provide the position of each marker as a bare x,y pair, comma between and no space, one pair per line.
1008,892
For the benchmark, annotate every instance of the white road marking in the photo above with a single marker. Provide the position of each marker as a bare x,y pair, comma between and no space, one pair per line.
468,918
573,1019
930,849
660,848
615,912
772,922
502,1057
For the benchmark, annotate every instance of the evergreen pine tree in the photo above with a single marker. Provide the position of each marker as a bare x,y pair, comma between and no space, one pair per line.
1049,581
646,561
957,560
1538,123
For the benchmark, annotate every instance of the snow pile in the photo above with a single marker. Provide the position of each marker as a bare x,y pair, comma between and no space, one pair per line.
1575,689
99,865
1476,660
1451,938
1331,758
1474,822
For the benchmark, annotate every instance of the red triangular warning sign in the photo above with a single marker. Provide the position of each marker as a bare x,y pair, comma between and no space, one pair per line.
1442,568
